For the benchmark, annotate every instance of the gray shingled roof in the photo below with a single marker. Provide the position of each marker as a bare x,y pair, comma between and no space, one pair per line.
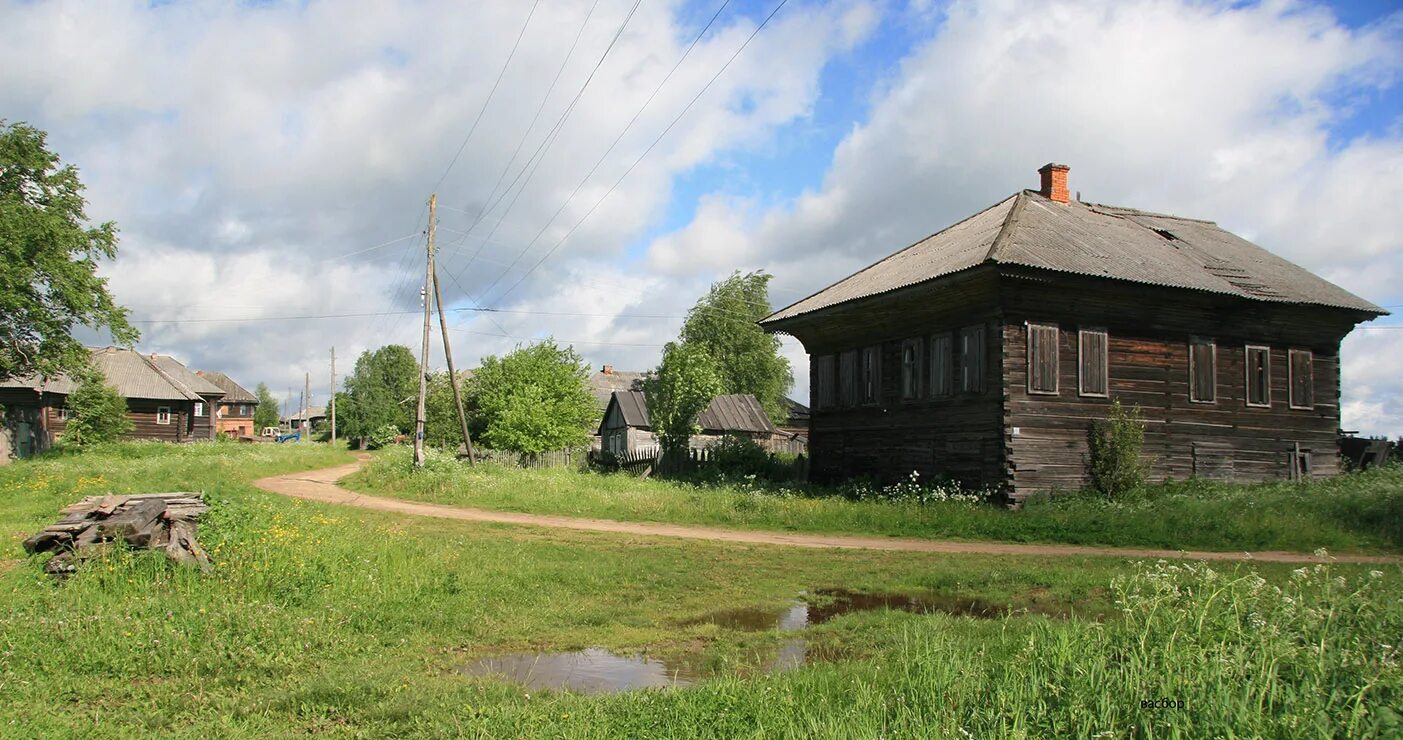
134,375
233,392
603,385
1030,230
738,412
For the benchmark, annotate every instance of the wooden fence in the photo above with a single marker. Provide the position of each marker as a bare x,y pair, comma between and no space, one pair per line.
651,461
553,459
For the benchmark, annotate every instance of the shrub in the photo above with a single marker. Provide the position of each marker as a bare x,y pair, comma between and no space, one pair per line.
1116,465
382,436
97,412
740,456
911,490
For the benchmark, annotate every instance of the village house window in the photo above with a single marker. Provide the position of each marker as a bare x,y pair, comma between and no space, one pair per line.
871,374
911,369
941,367
163,414
1302,378
847,378
1203,370
972,359
1093,362
1258,376
824,385
1042,359
199,409
243,409
62,412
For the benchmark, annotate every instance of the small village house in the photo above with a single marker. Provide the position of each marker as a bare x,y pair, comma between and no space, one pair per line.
986,351
233,415
314,415
627,428
165,401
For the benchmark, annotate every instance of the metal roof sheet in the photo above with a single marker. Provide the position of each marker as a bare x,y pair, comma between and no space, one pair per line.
233,392
1090,239
739,412
132,374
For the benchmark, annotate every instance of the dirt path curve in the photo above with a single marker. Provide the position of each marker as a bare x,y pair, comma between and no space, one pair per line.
320,485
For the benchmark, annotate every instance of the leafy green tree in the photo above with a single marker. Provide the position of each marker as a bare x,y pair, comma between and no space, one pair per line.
678,391
441,427
266,413
48,261
1117,466
534,399
96,411
724,325
380,392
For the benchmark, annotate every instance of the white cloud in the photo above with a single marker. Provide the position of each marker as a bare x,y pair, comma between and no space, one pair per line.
1211,110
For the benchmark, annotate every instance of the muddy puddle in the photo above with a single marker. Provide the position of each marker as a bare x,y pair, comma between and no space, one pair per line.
597,671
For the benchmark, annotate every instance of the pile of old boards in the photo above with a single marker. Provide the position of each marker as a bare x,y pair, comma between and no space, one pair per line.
144,521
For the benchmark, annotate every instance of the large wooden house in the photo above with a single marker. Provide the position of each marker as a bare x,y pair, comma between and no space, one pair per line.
233,415
165,401
986,351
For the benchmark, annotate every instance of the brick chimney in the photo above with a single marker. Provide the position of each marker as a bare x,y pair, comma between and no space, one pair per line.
607,370
1054,181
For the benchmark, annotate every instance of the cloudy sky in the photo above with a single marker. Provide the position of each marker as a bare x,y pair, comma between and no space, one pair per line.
599,162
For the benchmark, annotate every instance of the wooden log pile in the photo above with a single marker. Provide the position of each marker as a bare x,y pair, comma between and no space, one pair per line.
145,521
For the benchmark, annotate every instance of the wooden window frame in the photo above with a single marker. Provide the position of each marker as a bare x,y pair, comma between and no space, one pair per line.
825,396
947,368
1291,378
61,413
1213,359
973,383
912,375
163,411
849,399
1247,351
1056,389
875,376
1105,361
199,408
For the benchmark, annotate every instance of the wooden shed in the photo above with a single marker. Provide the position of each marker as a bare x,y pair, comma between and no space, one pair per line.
627,428
986,351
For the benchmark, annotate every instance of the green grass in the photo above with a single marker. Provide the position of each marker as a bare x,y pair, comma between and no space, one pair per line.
349,623
1352,513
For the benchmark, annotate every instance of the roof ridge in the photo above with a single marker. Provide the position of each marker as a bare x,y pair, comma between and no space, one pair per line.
177,385
1010,223
1122,211
903,250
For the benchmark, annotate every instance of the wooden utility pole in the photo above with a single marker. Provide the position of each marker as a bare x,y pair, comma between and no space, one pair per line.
452,373
424,353
333,395
306,402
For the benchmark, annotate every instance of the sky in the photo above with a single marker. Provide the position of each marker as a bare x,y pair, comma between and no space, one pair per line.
597,164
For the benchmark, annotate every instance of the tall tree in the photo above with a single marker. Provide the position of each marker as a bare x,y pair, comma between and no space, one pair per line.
678,391
441,427
48,261
534,399
379,392
266,413
97,412
724,324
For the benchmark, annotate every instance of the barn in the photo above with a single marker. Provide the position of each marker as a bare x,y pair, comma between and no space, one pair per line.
627,428
986,351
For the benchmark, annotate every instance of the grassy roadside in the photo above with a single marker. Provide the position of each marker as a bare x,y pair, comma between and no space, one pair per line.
1356,513
350,623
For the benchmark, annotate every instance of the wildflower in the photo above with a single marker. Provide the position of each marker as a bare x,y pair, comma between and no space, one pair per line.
1376,574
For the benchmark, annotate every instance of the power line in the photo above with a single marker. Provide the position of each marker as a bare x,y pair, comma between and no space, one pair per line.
558,339
631,167
488,100
463,309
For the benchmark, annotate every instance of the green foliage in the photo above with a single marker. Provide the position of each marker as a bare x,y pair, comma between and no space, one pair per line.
678,391
441,425
48,261
382,436
266,413
1116,465
723,325
381,391
534,399
97,413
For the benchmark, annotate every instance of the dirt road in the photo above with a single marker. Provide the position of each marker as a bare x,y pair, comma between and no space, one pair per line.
320,485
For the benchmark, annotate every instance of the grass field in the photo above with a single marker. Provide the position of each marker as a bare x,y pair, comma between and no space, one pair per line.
1357,513
350,623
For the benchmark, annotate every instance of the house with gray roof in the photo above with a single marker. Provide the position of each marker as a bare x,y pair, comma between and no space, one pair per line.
987,351
165,401
233,415
627,427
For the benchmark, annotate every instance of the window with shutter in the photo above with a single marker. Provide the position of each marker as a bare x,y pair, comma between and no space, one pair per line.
972,359
941,365
1203,370
1042,359
847,378
911,369
1093,363
824,381
1302,379
871,374
1258,362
